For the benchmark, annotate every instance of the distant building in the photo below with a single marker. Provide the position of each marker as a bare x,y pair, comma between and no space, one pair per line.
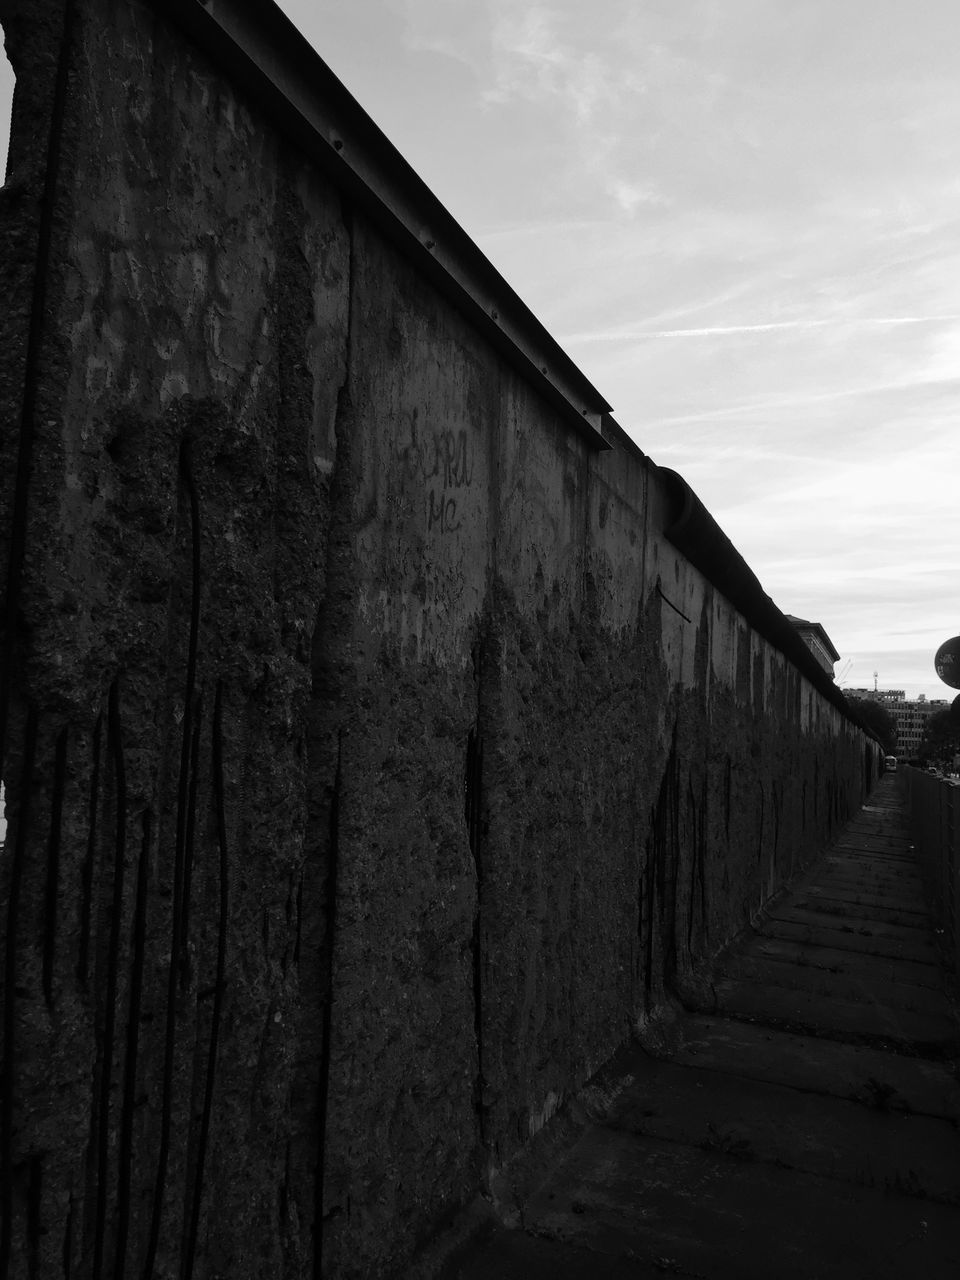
817,641
912,720
911,716
886,696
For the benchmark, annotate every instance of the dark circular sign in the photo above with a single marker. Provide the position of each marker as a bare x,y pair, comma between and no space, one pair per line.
947,662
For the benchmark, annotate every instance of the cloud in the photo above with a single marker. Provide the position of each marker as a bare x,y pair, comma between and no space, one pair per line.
529,62
710,331
629,196
772,407
546,71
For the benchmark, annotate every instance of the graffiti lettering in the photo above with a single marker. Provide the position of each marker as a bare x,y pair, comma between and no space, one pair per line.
444,457
443,460
451,459
442,512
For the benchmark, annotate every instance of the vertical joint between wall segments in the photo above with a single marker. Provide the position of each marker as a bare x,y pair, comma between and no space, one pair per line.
323,1101
473,800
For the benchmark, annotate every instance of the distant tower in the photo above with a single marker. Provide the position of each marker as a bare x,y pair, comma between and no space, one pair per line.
875,674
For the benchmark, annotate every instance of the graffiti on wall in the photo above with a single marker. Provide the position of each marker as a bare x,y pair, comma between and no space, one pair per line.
442,461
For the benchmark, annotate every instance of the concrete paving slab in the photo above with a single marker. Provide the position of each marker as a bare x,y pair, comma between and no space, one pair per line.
856,985
719,1217
852,1141
889,858
850,867
851,910
867,926
825,1067
868,1021
866,894
894,863
899,888
864,941
911,906
907,892
916,972
516,1255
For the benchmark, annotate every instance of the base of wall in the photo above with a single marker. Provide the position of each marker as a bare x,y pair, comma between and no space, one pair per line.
509,1188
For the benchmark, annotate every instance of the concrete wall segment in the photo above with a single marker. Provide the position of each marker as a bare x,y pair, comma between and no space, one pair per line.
108,525
426,409
376,763
260,48
616,539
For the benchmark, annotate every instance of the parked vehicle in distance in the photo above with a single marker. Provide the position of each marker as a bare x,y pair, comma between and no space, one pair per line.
889,764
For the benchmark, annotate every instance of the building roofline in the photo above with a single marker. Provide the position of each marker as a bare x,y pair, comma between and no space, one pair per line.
815,626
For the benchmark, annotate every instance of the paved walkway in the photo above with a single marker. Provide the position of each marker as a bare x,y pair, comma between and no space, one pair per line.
807,1127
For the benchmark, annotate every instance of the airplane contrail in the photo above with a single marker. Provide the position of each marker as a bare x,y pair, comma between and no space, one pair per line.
630,335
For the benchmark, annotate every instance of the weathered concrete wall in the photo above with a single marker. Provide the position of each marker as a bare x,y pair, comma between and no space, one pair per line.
375,764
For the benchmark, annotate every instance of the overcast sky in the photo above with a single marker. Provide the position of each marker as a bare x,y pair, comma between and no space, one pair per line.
741,218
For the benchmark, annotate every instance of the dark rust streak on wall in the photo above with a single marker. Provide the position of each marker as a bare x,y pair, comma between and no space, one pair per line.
138,951
326,978
49,929
223,906
182,853
88,867
105,1200
472,806
20,822
189,843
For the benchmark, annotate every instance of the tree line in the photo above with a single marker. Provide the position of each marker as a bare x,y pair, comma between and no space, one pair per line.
941,735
